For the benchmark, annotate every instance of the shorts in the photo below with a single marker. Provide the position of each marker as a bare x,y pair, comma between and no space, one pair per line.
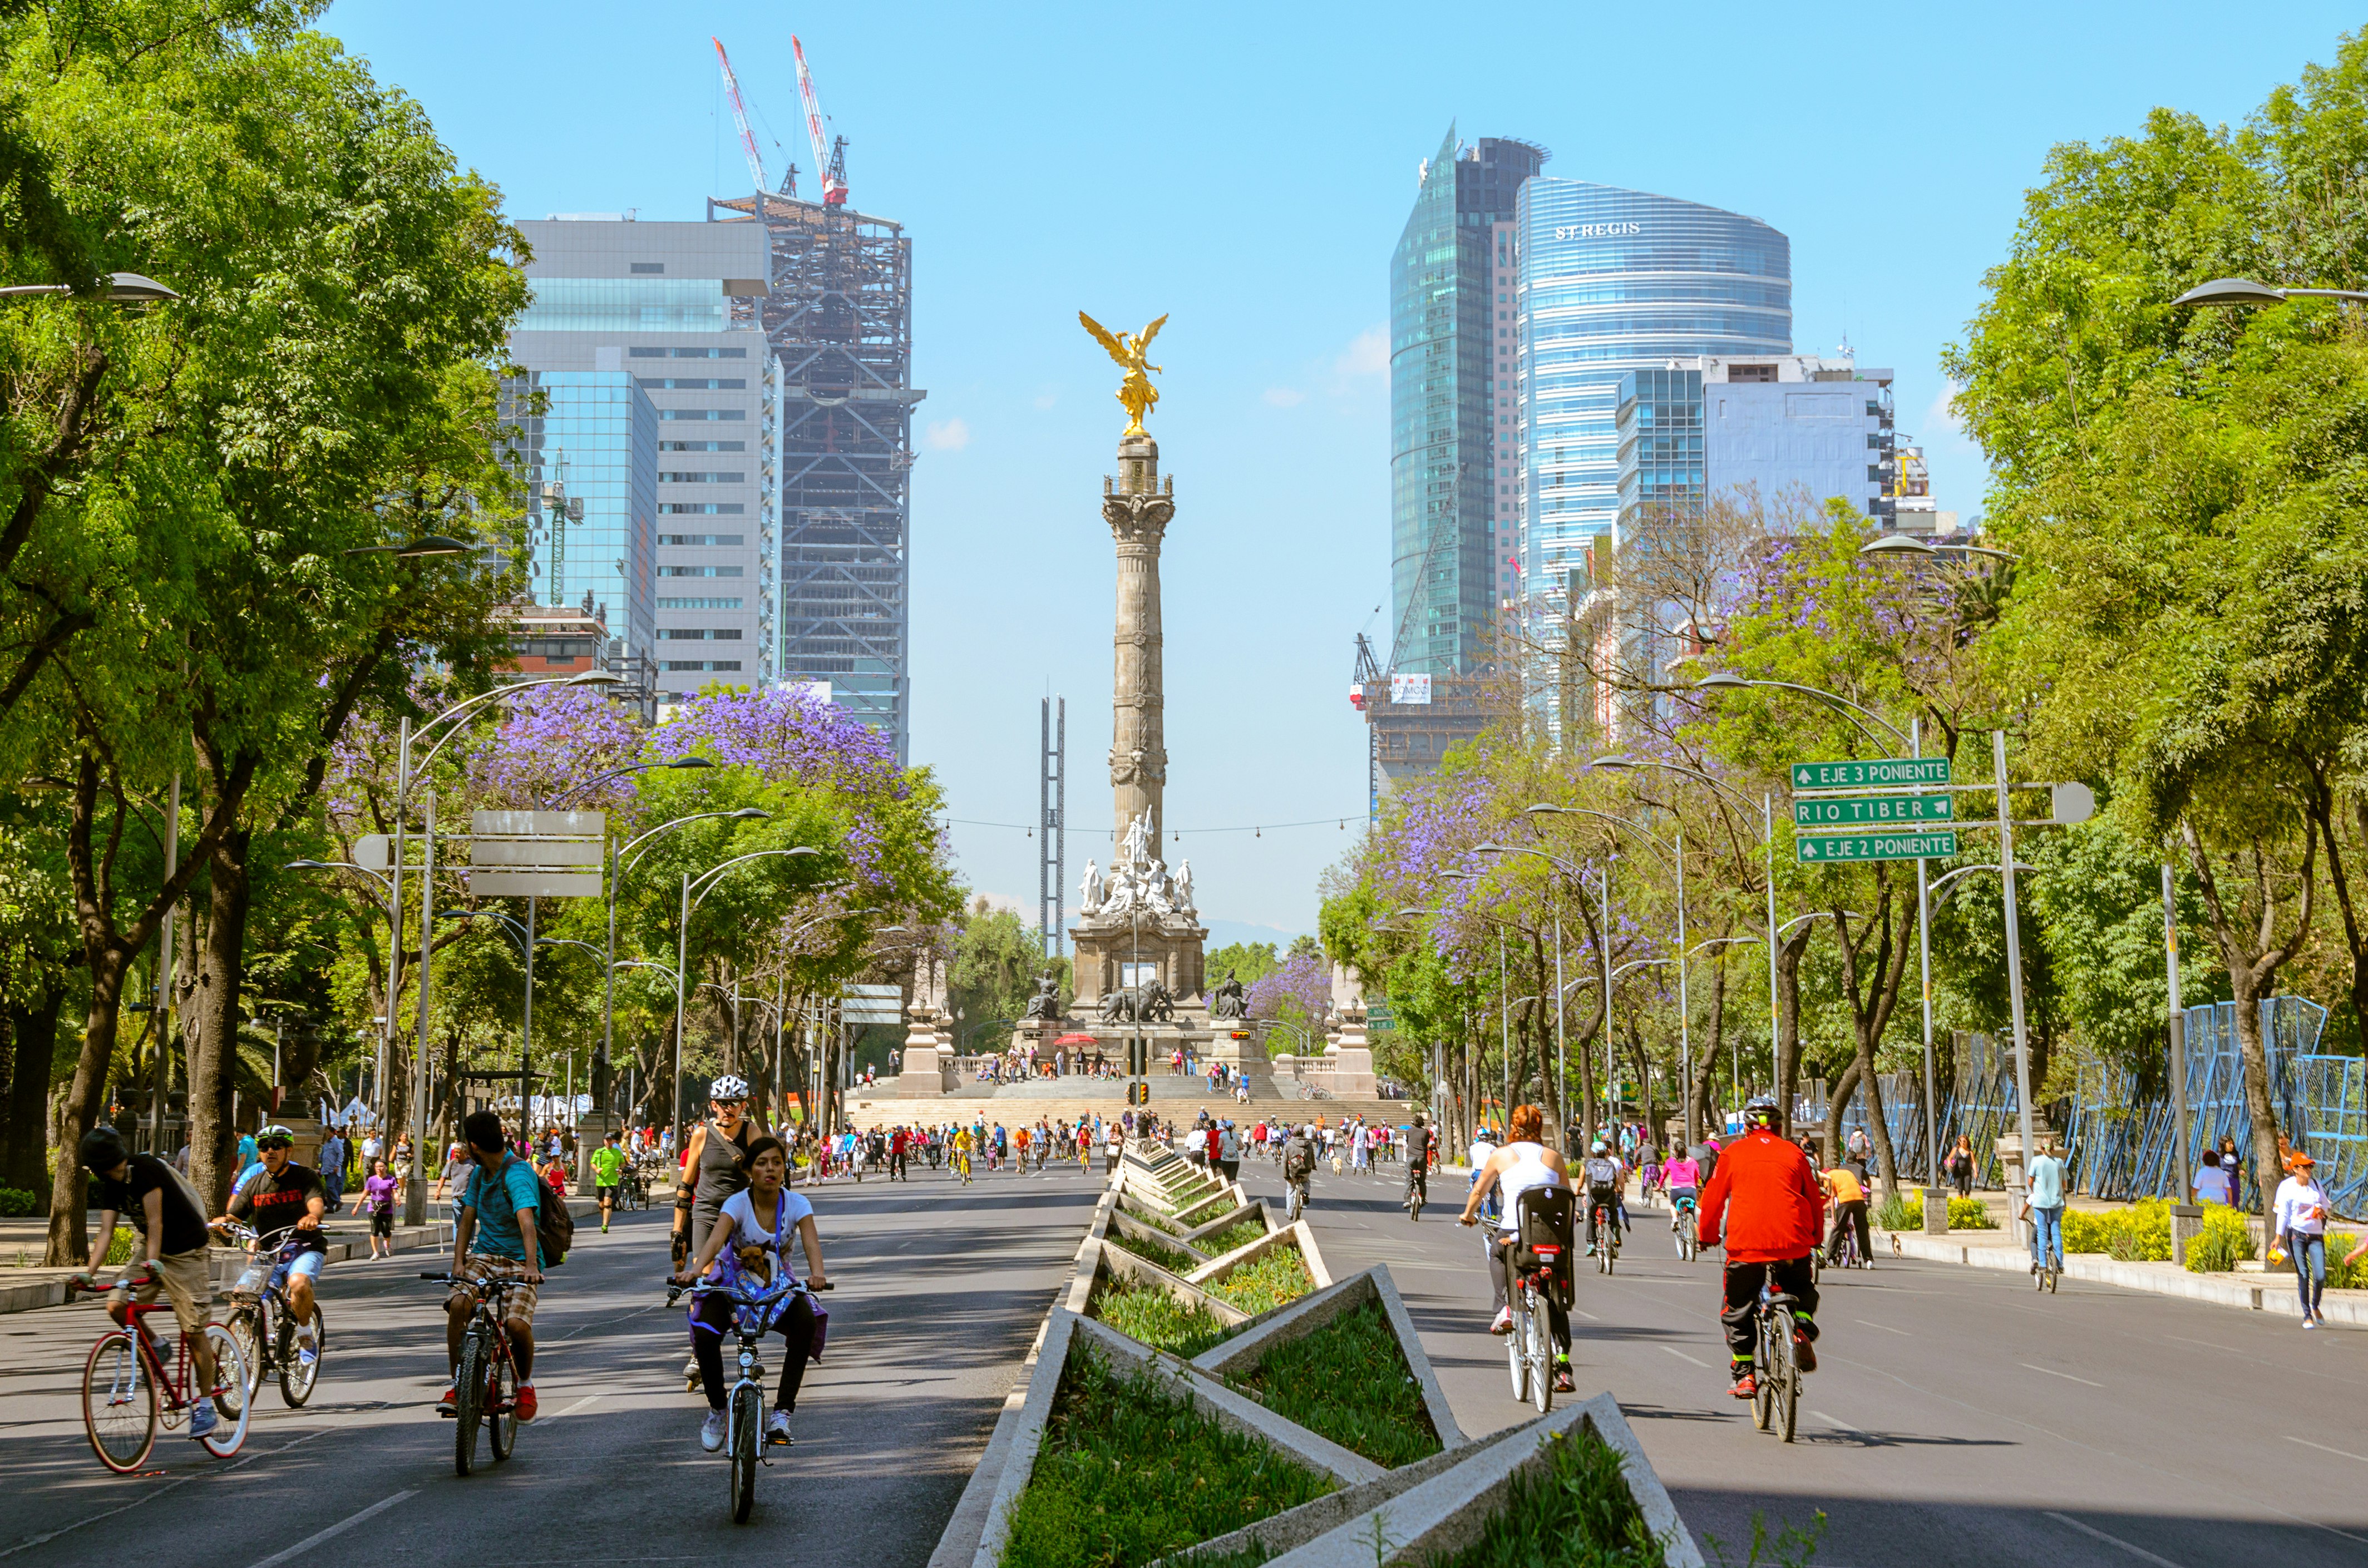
307,1263
187,1281
479,1266
607,1195
382,1222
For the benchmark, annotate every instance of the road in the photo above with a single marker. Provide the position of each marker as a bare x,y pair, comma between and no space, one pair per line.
939,1290
1956,1418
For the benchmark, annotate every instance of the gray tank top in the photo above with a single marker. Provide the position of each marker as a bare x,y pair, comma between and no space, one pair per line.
723,1169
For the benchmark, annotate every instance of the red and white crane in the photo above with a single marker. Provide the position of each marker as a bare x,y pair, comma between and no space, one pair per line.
829,157
740,117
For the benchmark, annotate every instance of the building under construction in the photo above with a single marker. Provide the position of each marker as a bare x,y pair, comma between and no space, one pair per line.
838,317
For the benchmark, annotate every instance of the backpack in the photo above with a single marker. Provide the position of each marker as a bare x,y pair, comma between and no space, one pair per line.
554,1226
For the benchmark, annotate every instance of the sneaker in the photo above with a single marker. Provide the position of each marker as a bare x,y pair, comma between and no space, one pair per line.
203,1418
1562,1380
777,1429
2310,1323
306,1352
451,1404
711,1432
1746,1385
523,1407
1803,1352
1504,1324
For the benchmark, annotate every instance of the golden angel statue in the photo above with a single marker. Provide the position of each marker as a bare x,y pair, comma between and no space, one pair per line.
1135,395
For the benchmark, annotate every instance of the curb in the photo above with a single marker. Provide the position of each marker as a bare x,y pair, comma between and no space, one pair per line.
2158,1280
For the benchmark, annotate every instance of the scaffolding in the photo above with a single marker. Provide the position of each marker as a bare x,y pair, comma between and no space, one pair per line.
838,317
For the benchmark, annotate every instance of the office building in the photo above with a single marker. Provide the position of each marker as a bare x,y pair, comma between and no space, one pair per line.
662,415
837,312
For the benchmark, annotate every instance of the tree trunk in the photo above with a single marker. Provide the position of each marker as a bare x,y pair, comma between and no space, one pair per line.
69,1235
213,1053
33,1030
1837,1104
2253,967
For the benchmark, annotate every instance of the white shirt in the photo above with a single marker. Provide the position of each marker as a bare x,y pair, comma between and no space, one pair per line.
2212,1185
2298,1196
1528,1170
748,1233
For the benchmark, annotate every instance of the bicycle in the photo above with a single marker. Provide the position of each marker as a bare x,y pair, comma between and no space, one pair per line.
485,1383
265,1328
744,1402
1851,1256
1776,1365
1417,1192
1685,1225
1605,1220
1535,1260
124,1374
1298,1201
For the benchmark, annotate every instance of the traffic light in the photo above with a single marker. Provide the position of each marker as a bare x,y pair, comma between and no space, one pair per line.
1138,1094
1138,1056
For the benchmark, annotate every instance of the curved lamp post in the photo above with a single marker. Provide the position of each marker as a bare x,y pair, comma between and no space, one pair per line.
706,882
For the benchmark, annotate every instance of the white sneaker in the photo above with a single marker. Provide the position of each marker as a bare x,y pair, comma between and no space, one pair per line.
1504,1324
306,1352
777,1428
711,1434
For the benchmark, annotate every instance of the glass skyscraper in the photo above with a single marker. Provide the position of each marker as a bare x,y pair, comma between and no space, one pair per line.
599,433
1612,282
1453,487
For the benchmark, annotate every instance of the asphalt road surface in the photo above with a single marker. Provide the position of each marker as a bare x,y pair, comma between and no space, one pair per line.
1956,1418
939,1290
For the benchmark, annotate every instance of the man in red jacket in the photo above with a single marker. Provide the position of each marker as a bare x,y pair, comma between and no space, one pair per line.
1766,1192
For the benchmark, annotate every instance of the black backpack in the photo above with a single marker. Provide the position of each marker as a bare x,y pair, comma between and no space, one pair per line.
554,1226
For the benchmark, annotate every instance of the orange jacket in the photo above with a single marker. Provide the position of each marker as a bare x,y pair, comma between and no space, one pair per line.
1769,1196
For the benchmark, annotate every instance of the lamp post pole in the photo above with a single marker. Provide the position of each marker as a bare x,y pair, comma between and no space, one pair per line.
1924,956
2014,982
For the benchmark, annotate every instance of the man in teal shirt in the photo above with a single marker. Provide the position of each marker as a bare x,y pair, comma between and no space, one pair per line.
494,1238
2044,1204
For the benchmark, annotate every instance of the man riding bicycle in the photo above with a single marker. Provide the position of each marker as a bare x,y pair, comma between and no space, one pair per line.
285,1202
1849,1192
163,1208
1419,1147
1522,1163
1766,1192
494,1238
1299,1159
1607,1183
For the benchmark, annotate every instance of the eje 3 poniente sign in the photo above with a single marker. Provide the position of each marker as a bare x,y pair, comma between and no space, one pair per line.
1817,849
1876,773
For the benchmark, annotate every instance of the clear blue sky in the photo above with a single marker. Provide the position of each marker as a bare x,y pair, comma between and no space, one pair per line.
1247,169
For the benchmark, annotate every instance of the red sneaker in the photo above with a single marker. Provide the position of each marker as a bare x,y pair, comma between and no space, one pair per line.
1803,1351
524,1404
1745,1386
451,1404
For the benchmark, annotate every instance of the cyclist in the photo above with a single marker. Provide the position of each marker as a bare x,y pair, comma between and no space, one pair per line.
608,1174
2044,1203
163,1208
286,1202
1299,1159
1766,1192
1419,1145
715,1165
1607,1183
1681,1185
1523,1163
748,1250
1848,1190
494,1238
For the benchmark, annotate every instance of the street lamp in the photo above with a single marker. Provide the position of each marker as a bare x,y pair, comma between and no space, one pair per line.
418,549
2244,291
707,881
527,941
122,288
1907,544
1725,680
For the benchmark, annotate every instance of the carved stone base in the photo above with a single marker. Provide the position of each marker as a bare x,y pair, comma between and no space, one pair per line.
1104,950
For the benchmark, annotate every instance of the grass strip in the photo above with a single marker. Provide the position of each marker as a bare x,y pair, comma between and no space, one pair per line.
1232,1237
1350,1381
1277,1278
1152,1215
1149,1316
1168,1257
1127,1474
1203,1212
1573,1511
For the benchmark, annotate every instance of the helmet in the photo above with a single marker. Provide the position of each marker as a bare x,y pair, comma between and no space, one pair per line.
1762,1111
274,1131
1596,1147
103,1150
731,1086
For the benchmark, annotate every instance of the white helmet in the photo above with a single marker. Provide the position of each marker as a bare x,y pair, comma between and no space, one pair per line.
731,1086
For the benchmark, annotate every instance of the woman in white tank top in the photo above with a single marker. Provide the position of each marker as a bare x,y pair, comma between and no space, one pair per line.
1523,1164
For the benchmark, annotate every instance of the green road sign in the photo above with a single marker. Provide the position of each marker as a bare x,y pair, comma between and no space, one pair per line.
1870,811
1819,848
1871,774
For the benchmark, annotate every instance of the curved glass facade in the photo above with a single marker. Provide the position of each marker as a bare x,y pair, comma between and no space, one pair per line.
1615,281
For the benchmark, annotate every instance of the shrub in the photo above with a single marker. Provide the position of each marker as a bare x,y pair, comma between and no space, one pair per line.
1127,1474
1168,1257
121,1246
2139,1233
16,1203
1150,1214
1901,1211
2339,1275
1272,1280
1232,1237
1576,1511
2224,1239
1149,1316
1970,1214
1350,1381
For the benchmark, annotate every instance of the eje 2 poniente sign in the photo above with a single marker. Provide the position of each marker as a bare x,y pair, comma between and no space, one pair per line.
1876,773
1872,811
1817,849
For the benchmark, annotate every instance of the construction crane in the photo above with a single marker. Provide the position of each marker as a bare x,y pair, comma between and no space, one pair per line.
740,119
831,157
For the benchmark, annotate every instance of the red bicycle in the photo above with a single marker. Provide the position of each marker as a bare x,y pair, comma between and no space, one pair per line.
126,1374
485,1384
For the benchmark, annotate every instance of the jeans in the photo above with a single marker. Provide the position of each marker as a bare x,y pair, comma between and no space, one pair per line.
2047,1237
2309,1254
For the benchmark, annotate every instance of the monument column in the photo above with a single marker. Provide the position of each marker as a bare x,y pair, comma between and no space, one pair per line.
1137,509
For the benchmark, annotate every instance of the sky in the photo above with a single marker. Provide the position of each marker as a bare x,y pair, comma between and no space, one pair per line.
1246,170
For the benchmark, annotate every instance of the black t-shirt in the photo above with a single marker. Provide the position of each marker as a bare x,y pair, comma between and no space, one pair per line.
184,1221
278,1203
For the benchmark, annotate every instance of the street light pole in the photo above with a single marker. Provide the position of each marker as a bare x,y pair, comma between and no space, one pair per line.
2178,1038
2014,982
1924,953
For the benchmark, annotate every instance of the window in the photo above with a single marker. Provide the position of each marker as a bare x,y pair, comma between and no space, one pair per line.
687,352
694,383
702,663
671,476
1751,372
700,572
732,412
702,508
649,267
625,305
703,539
699,604
702,445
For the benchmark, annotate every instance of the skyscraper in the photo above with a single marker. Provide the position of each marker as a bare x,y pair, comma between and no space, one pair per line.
1452,307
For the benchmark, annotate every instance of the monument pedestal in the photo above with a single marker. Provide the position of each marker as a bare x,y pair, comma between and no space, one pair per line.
1171,950
922,1070
1352,1058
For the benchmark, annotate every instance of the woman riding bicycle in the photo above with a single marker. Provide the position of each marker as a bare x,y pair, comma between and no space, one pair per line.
1523,1163
746,1254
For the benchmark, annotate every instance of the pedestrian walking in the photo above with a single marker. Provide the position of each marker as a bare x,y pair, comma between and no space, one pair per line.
2301,1218
1960,1165
2233,1168
2211,1181
377,1198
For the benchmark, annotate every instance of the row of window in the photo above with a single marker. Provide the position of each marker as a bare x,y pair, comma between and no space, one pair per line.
699,604
703,538
687,352
703,413
702,445
702,663
693,383
670,477
701,572
702,508
698,634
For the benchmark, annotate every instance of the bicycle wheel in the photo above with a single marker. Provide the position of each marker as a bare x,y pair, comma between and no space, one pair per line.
748,1433
1763,1397
232,1405
246,1328
1540,1349
119,1403
1612,1251
501,1405
1787,1391
297,1379
1517,1354
468,1400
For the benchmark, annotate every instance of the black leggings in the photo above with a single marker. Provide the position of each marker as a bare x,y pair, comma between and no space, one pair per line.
712,1320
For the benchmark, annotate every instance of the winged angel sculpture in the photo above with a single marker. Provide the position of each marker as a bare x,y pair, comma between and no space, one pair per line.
1135,395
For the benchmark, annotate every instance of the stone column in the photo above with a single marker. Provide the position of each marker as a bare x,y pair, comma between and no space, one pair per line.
1137,510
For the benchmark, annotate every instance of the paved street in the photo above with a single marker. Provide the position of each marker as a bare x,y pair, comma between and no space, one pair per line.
1955,1419
938,1291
